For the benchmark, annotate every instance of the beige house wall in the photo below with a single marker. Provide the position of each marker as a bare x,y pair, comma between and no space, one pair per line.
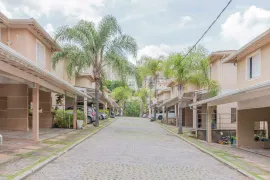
14,107
224,116
24,42
245,128
225,74
265,69
188,117
82,81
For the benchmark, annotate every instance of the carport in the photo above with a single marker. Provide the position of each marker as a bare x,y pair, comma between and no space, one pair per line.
252,116
25,86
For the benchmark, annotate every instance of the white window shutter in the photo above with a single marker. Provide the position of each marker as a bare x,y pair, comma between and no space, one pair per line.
256,67
248,69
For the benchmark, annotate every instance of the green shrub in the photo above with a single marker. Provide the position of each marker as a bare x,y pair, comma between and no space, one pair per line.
105,111
64,119
132,108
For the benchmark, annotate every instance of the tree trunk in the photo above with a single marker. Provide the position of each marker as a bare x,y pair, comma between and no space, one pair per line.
180,118
97,103
155,105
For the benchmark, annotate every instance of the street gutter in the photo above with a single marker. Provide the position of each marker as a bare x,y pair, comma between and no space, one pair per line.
229,164
54,157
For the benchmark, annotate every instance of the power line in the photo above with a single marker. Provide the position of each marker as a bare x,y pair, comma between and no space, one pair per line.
207,30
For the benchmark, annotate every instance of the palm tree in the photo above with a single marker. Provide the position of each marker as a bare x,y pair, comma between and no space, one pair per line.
152,68
142,93
193,69
101,45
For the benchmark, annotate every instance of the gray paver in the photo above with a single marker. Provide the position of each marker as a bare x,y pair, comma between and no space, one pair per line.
133,148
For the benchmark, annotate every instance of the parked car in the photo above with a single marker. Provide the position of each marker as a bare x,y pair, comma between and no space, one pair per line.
91,115
112,115
159,116
102,115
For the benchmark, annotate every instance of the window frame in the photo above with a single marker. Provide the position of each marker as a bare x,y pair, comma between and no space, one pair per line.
233,115
42,45
247,69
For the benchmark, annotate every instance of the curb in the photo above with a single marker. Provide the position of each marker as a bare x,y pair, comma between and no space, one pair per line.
213,155
47,161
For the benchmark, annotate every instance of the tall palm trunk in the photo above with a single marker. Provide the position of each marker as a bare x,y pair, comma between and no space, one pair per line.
97,102
155,105
180,120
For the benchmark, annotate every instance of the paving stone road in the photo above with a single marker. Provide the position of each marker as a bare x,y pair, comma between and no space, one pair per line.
133,148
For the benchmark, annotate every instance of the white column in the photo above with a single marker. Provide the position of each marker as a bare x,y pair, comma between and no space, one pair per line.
195,116
85,109
209,123
75,112
35,113
177,115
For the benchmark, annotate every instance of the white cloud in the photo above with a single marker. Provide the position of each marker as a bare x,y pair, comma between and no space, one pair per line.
184,21
4,10
29,12
243,27
85,9
49,28
156,51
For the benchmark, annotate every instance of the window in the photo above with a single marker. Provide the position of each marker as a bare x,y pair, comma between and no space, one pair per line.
253,66
0,35
233,115
40,53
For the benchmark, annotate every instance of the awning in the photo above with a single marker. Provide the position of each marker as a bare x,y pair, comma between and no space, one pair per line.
256,91
14,64
170,102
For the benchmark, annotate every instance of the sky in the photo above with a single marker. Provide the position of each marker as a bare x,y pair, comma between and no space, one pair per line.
159,26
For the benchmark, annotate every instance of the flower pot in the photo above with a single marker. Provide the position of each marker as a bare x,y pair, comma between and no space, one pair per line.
79,124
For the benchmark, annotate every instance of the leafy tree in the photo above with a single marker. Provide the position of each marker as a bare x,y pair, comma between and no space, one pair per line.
132,108
193,69
142,93
152,67
121,94
111,85
101,45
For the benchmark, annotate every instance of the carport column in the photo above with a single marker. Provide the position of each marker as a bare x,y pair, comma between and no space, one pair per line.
75,112
85,109
237,128
35,113
163,114
176,115
195,117
209,123
167,118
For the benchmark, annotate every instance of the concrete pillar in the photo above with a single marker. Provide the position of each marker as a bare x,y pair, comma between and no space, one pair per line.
180,120
163,113
177,115
209,124
45,106
237,128
167,118
195,116
85,109
75,112
35,113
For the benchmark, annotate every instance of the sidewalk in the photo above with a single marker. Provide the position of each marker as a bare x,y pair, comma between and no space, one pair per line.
13,165
254,164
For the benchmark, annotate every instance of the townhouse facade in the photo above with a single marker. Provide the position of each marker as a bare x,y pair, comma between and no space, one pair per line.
28,83
195,117
252,94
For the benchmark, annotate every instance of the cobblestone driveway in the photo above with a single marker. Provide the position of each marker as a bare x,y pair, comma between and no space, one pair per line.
133,148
